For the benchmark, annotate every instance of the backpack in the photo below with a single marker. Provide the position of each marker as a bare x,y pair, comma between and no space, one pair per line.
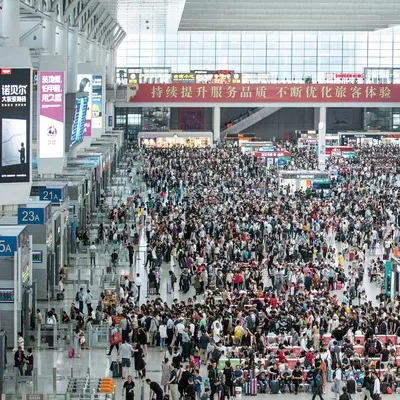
318,380
372,348
216,354
77,296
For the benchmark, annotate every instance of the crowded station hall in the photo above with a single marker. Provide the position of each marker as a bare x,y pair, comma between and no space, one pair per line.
199,201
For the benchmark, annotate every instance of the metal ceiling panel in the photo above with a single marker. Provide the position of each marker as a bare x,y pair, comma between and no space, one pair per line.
287,15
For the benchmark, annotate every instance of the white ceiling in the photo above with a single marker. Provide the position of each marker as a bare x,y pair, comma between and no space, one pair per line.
284,15
157,15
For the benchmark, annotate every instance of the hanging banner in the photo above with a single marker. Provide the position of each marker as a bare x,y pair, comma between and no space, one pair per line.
97,102
258,93
85,86
51,114
15,105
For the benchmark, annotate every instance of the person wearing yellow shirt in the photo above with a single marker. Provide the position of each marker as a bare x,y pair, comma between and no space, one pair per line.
340,260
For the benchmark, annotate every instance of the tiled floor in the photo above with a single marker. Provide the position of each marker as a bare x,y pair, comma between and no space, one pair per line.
96,359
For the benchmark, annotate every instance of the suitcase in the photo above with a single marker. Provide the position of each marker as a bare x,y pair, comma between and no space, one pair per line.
245,374
246,388
109,270
116,369
71,353
338,285
60,296
253,387
274,387
351,386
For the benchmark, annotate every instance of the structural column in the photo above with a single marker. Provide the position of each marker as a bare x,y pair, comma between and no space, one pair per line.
111,57
49,34
110,114
322,139
10,23
92,53
217,124
82,49
72,60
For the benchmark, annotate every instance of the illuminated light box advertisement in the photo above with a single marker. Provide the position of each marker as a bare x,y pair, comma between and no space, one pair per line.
85,86
80,115
15,104
51,118
97,102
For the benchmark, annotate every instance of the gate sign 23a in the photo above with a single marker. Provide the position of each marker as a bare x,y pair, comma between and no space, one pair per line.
31,216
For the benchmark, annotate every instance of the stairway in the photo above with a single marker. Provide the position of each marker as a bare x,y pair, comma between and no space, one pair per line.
257,114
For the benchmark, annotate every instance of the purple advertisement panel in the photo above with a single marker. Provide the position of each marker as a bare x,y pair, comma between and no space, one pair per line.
51,118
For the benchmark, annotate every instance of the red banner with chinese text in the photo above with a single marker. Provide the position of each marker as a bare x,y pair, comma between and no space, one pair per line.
267,93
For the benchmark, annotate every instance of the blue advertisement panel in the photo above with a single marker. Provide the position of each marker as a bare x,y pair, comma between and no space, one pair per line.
97,101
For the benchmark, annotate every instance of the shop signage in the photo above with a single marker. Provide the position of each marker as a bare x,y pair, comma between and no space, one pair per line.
34,216
85,85
8,245
51,118
258,93
97,102
349,76
15,125
54,195
272,154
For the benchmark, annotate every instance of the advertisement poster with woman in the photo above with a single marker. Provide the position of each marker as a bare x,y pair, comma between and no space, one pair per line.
85,86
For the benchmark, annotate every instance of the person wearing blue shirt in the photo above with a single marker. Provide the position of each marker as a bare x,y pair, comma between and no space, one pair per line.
198,380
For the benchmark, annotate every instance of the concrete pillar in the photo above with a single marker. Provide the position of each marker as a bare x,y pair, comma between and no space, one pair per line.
92,53
49,34
217,124
322,139
72,60
10,23
62,46
82,49
111,61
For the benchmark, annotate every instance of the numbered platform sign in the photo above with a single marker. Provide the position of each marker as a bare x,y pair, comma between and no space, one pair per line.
8,245
55,195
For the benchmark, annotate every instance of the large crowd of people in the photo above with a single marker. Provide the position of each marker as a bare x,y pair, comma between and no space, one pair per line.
274,279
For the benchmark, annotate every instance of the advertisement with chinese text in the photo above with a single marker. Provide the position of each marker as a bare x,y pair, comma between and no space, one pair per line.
51,118
15,103
97,102
85,86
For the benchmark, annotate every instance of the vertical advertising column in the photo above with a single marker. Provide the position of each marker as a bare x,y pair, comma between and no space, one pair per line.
51,107
85,85
217,124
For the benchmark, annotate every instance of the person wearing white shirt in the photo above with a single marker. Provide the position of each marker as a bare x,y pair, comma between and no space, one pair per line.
217,332
125,352
162,329
138,283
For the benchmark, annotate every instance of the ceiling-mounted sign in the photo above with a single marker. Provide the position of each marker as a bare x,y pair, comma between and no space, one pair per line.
259,93
54,195
51,118
15,124
8,245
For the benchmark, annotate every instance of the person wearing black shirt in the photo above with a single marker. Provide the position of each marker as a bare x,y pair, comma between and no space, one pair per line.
317,389
219,389
155,389
297,377
212,376
130,249
129,389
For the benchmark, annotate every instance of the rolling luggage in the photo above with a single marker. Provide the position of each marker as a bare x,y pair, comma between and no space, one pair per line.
116,369
71,353
274,387
351,386
338,285
246,388
253,387
109,269
60,296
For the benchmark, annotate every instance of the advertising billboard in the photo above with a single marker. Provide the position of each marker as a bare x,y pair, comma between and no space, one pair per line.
51,114
85,85
15,105
97,102
80,118
156,119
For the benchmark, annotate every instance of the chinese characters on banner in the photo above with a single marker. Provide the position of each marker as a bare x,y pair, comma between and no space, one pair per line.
51,119
15,120
258,93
